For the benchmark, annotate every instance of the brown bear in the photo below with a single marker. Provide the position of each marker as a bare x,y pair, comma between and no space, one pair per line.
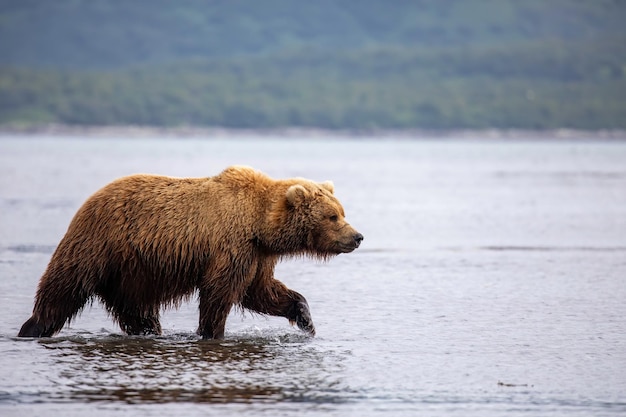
146,241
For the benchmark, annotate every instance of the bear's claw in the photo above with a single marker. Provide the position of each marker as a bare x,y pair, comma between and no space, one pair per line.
303,318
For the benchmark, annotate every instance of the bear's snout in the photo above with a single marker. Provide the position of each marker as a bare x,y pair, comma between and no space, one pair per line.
358,238
349,243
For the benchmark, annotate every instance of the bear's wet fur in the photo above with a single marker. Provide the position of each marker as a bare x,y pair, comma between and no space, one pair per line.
145,241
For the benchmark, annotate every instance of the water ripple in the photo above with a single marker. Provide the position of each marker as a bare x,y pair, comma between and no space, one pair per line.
183,368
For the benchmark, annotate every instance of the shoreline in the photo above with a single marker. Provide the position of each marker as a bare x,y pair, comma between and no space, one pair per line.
133,131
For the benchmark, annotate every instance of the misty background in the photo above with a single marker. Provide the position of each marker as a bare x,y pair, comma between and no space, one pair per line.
331,64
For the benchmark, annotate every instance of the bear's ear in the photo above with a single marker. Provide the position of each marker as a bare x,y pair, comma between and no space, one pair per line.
296,194
328,186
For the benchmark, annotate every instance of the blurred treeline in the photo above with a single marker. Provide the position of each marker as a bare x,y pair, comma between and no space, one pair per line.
362,64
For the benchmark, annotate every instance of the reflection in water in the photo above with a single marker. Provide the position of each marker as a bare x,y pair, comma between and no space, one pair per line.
183,368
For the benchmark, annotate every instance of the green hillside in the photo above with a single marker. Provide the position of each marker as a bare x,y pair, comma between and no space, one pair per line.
330,64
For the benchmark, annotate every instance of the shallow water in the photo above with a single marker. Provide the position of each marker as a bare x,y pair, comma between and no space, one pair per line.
491,281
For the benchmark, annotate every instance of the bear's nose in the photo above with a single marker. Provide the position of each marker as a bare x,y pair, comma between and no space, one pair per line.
358,238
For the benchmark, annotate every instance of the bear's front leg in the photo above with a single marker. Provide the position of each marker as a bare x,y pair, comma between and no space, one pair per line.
270,296
213,314
300,314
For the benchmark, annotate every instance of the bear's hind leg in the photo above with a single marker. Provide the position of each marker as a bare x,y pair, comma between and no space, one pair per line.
35,328
140,324
133,319
31,328
55,304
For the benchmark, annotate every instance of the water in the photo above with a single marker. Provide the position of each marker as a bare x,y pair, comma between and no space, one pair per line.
491,281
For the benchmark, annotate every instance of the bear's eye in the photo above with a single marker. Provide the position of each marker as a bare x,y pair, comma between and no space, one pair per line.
333,218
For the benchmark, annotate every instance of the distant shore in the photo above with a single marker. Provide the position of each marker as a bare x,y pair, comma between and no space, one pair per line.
297,132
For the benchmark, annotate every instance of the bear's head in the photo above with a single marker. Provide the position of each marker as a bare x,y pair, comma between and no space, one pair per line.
317,221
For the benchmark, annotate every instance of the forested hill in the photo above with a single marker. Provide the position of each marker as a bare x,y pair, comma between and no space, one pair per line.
326,63
105,33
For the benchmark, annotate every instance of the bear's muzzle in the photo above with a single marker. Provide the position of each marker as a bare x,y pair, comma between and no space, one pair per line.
350,245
